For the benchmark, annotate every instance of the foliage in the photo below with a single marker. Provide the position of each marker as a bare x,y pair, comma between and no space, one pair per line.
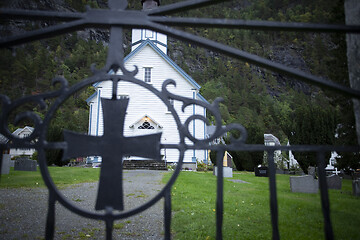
35,156
249,160
315,125
346,135
246,209
28,71
203,167
212,156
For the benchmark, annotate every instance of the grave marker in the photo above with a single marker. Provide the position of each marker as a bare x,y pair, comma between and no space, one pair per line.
356,187
25,164
261,171
5,167
304,184
334,181
227,172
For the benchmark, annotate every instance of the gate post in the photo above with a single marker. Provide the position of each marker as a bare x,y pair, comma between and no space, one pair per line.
352,17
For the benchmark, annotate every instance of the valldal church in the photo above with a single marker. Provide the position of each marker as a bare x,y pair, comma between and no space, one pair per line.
146,113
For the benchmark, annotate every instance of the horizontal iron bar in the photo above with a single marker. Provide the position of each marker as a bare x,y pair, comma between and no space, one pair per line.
182,6
261,147
254,25
202,146
92,18
253,59
8,13
43,33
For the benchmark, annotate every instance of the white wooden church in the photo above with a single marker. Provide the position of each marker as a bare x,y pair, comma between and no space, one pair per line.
146,113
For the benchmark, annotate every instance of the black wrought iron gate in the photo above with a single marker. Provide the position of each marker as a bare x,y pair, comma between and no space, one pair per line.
116,18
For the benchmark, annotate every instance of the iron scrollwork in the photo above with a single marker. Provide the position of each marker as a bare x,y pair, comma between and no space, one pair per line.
116,18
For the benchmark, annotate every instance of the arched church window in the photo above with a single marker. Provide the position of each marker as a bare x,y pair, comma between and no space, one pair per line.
146,125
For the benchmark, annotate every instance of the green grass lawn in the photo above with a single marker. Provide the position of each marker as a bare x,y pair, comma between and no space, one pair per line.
246,205
62,176
247,211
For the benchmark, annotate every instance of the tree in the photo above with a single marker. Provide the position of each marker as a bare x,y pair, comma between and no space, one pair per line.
312,125
346,135
249,160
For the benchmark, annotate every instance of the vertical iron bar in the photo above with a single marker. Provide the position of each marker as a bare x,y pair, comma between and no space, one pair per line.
273,197
50,221
115,56
109,228
325,204
109,222
220,194
167,214
114,90
1,159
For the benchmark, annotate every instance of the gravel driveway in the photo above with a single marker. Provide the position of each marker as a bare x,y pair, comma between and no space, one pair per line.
23,211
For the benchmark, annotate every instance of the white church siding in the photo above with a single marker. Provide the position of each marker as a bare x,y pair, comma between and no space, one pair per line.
143,103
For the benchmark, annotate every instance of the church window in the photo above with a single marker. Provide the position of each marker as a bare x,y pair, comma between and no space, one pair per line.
146,125
147,75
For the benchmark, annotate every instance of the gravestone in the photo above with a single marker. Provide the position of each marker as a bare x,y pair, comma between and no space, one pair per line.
356,175
25,164
312,171
334,182
227,172
304,184
261,171
5,167
356,187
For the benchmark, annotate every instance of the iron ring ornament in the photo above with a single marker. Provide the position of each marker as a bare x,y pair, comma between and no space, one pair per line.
115,18
64,92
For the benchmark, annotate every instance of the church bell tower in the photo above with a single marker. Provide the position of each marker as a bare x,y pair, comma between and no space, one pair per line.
140,35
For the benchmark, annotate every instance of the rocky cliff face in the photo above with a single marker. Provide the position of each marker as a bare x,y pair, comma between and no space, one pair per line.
291,55
16,26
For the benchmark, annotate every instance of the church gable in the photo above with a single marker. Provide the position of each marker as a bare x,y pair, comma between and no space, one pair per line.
154,67
146,122
147,55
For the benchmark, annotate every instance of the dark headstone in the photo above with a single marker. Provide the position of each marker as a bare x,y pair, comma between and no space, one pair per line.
356,175
25,164
261,171
312,171
304,184
5,167
334,181
356,187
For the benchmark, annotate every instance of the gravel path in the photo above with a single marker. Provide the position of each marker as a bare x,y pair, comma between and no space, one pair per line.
23,211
